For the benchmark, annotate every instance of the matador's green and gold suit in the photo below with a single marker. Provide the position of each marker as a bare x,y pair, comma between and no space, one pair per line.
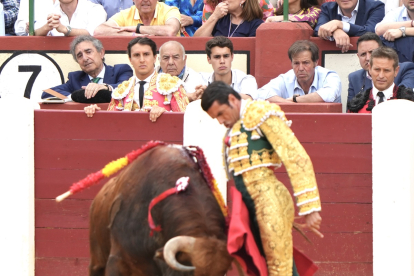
258,143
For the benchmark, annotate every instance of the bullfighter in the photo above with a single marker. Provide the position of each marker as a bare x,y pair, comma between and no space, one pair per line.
259,139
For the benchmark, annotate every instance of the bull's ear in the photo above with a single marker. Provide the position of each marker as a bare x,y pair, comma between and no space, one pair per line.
159,254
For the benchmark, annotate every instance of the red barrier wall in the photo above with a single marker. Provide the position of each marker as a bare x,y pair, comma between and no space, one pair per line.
68,146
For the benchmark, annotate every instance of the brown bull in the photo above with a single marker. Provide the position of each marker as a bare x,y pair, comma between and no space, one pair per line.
120,241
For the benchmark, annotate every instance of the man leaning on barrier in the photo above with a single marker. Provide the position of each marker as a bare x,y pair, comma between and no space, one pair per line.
148,17
96,80
71,18
306,82
343,19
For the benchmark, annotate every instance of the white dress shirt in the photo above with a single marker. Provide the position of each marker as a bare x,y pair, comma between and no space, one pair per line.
396,15
100,75
387,93
325,82
241,82
191,79
41,9
87,16
346,21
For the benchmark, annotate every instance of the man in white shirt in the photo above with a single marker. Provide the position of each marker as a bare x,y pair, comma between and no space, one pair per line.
306,82
173,59
71,18
220,55
397,23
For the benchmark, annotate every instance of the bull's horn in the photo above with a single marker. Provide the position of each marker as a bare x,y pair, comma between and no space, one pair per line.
175,245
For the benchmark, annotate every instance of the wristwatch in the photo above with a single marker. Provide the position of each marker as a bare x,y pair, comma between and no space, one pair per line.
69,30
138,26
294,97
402,29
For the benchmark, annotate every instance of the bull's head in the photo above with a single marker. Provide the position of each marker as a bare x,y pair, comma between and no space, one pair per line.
208,255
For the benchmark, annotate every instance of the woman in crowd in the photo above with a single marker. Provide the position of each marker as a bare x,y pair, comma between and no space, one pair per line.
299,10
233,18
191,12
210,5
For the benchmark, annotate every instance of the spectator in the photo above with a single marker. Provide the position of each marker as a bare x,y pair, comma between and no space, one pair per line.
11,10
173,61
220,55
71,18
41,11
397,23
191,13
299,10
113,6
343,19
239,18
210,6
95,76
361,80
144,18
383,68
306,82
391,5
147,90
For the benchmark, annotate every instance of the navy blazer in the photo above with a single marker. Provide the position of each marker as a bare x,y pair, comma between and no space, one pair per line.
370,13
113,77
359,78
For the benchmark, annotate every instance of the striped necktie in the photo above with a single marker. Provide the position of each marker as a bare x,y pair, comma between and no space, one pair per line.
95,80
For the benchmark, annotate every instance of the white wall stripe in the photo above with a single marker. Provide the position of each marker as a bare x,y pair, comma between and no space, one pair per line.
393,188
17,255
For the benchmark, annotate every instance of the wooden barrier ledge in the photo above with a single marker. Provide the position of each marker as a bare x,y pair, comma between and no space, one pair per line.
286,107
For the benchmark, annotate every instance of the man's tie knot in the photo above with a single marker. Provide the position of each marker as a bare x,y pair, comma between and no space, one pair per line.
381,96
95,80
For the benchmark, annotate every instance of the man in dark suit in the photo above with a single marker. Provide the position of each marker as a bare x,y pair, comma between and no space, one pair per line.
383,68
361,80
95,76
347,18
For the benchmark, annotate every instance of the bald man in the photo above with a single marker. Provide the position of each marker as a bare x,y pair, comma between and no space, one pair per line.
173,59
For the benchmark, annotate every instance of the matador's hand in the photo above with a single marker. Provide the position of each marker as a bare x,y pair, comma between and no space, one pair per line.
156,112
313,223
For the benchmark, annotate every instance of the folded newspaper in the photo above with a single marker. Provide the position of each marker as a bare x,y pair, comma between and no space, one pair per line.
56,100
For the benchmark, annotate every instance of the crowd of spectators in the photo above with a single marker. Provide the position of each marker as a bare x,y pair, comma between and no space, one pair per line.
334,21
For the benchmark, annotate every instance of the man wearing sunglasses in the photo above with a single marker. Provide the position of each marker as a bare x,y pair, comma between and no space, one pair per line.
361,80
